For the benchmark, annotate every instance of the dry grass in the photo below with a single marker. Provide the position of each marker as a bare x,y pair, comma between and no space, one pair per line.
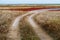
27,33
6,18
50,22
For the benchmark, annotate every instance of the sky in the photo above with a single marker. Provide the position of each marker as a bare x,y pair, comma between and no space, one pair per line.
29,1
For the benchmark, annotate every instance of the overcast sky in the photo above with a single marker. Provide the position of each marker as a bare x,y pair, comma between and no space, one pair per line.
29,1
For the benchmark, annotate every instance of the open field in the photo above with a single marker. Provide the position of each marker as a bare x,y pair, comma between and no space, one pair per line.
50,22
29,23
27,7
6,18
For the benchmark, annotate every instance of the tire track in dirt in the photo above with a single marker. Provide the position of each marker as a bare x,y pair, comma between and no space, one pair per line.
38,30
14,34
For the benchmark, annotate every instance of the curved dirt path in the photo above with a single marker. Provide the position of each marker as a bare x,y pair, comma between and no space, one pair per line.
38,30
14,34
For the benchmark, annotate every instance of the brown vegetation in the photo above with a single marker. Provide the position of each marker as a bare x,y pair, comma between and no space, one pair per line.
50,22
27,8
27,33
6,18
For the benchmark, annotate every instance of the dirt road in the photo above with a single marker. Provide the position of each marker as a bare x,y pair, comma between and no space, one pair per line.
38,30
14,33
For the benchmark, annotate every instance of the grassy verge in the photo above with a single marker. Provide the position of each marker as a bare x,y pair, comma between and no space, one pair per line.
50,22
6,18
27,32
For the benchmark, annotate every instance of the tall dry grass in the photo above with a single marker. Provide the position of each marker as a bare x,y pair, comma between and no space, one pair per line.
50,22
27,32
6,18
